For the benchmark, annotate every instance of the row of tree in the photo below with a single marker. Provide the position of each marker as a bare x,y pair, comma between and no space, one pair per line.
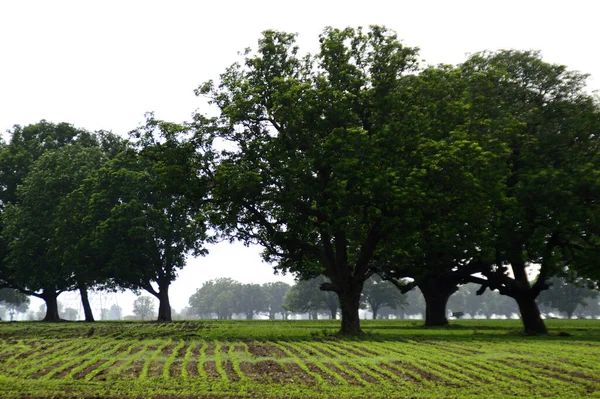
350,162
224,297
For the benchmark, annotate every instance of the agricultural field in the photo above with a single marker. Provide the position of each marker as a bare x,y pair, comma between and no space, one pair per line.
298,359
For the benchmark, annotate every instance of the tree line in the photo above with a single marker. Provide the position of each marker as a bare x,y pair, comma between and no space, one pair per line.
347,163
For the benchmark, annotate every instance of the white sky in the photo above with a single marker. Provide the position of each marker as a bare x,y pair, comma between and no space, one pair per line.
103,64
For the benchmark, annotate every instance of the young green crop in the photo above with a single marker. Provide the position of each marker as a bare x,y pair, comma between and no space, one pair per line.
296,359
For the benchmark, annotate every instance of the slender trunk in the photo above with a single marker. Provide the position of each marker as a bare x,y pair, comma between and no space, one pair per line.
313,315
271,315
164,306
333,313
530,315
51,300
436,292
85,302
350,303
374,309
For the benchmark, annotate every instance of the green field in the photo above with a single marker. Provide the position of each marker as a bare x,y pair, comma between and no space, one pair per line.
298,359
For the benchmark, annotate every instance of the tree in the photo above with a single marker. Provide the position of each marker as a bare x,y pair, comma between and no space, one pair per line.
36,263
318,177
458,176
305,296
566,294
548,213
275,294
115,313
69,314
218,296
378,293
27,145
146,208
14,300
252,300
143,307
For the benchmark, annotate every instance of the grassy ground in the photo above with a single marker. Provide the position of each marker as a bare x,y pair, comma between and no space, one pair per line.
298,359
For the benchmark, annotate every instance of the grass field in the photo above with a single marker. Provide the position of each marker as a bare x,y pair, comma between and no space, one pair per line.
298,359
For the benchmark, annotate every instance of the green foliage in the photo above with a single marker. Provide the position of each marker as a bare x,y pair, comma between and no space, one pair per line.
145,209
36,260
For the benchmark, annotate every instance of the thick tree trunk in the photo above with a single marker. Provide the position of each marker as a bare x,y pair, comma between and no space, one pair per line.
350,303
333,313
375,313
530,315
51,300
313,315
436,292
85,302
164,306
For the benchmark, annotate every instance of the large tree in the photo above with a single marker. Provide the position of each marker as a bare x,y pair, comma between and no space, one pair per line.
35,263
146,209
548,214
328,155
457,177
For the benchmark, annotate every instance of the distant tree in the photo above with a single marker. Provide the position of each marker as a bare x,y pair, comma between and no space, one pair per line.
306,297
219,296
115,313
14,301
378,293
566,294
143,307
590,309
252,300
275,294
70,314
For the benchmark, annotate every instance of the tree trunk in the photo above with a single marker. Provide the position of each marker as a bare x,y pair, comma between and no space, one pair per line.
249,316
313,315
350,303
164,306
85,302
530,315
374,313
333,313
436,292
51,300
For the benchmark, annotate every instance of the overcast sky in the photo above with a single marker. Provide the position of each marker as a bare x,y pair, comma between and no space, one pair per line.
103,64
